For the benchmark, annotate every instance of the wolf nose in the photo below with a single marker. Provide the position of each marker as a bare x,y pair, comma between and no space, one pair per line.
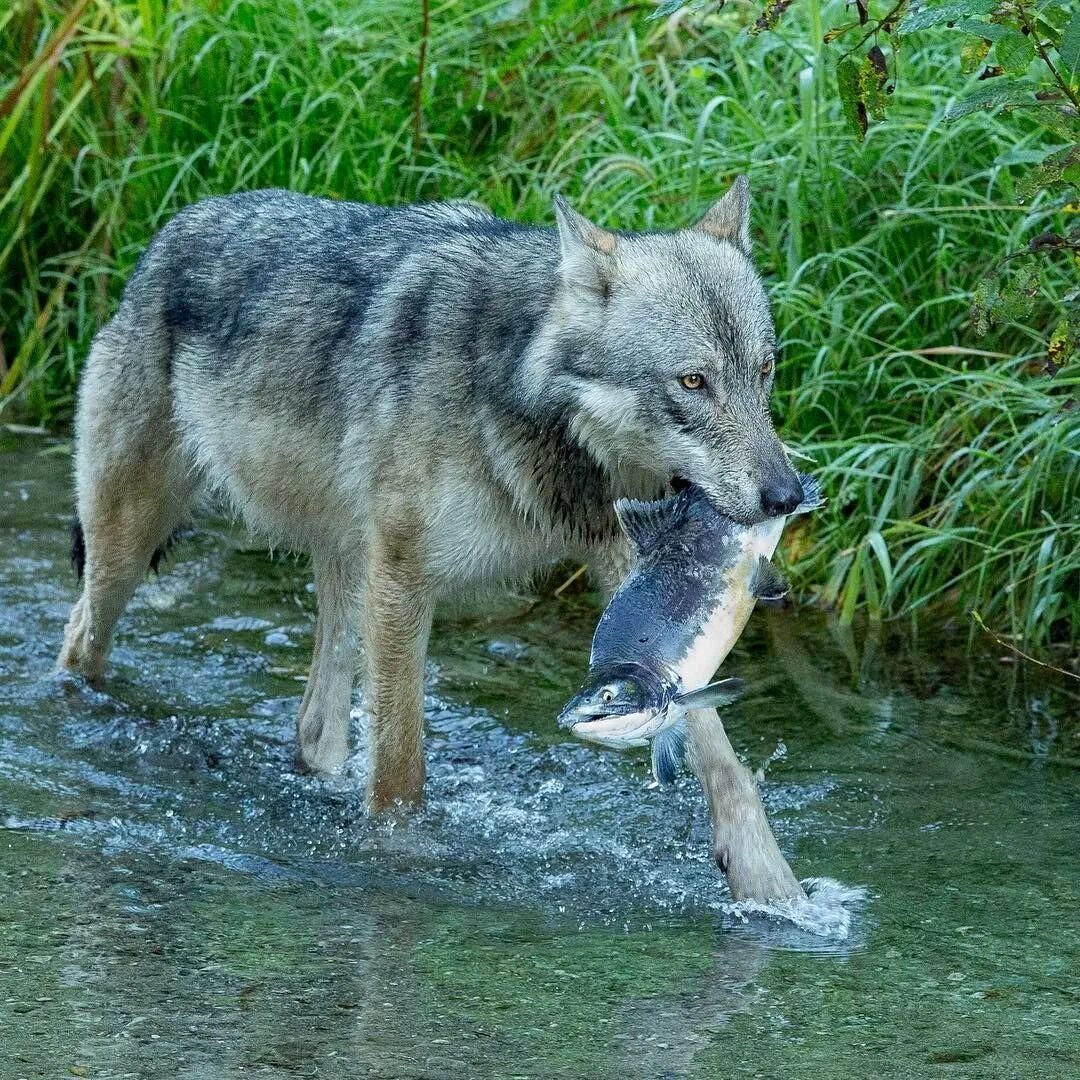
781,496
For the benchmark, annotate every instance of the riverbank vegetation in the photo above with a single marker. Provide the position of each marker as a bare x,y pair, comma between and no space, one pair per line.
950,450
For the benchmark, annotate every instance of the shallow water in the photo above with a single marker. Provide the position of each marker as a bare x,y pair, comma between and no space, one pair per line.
175,901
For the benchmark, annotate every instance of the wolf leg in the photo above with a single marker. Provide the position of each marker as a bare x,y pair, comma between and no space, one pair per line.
744,846
398,612
132,488
323,724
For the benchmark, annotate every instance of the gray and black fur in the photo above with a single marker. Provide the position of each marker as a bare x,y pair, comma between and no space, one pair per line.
426,398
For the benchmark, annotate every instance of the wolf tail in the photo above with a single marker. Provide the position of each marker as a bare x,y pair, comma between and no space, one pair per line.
812,495
78,549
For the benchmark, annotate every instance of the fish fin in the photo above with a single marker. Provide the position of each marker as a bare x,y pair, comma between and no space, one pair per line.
669,753
812,497
721,692
767,584
644,522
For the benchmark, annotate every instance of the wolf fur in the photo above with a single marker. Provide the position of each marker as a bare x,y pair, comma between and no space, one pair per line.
427,399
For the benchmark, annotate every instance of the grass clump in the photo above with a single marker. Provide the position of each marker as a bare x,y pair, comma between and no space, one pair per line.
952,461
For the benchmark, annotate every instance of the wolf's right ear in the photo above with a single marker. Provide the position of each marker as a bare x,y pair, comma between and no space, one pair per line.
729,219
587,250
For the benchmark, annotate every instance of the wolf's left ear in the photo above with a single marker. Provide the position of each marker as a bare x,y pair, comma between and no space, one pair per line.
729,219
587,249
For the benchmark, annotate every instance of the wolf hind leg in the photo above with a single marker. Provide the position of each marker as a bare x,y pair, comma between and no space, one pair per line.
323,723
133,491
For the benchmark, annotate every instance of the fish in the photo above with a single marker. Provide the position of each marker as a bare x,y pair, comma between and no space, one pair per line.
696,577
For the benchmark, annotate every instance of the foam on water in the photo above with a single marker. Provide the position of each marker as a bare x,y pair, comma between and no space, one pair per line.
826,912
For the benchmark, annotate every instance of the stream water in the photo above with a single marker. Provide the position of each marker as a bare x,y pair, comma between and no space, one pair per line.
175,901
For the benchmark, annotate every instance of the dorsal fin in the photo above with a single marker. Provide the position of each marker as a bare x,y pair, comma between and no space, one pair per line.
767,584
646,522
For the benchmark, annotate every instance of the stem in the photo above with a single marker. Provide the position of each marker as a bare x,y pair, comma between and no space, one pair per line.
421,62
1040,48
891,14
1012,648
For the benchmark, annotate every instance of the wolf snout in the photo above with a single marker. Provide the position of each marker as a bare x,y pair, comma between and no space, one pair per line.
781,495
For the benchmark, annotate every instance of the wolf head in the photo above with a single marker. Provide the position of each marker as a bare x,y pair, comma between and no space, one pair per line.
662,353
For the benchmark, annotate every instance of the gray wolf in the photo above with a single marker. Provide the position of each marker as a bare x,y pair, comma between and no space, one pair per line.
427,399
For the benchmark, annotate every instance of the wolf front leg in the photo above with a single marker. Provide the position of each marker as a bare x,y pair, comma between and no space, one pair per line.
743,843
398,610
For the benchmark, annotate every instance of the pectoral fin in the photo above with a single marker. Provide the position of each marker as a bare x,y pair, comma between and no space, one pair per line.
767,584
722,692
669,753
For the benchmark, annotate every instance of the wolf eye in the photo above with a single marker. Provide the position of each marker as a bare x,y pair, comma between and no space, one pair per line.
766,368
694,381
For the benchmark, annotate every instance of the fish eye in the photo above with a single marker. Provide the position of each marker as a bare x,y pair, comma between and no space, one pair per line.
693,381
608,695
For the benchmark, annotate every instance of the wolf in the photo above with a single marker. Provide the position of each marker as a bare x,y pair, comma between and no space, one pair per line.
428,400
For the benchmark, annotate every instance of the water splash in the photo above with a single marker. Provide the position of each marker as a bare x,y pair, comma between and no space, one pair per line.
826,912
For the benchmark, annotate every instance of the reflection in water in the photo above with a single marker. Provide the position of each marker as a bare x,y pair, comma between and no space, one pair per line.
178,902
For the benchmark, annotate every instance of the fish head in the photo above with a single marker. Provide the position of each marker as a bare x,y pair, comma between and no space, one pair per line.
619,707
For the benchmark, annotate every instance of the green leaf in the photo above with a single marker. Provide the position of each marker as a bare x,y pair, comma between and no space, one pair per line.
983,302
1020,155
847,82
1069,46
972,54
1017,299
987,31
1056,167
1014,52
926,15
668,7
992,94
871,89
1054,120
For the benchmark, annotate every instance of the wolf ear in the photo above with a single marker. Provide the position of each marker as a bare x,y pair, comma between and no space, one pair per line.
586,250
729,219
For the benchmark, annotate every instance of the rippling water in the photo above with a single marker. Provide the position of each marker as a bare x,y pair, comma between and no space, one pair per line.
178,902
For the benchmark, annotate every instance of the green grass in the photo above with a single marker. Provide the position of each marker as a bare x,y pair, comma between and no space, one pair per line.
953,476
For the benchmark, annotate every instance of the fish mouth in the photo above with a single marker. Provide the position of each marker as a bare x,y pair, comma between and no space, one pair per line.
576,714
621,730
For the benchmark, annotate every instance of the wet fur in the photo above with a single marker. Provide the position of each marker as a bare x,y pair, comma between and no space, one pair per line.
428,399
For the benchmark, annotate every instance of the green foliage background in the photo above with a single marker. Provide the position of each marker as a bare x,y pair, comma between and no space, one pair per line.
950,455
